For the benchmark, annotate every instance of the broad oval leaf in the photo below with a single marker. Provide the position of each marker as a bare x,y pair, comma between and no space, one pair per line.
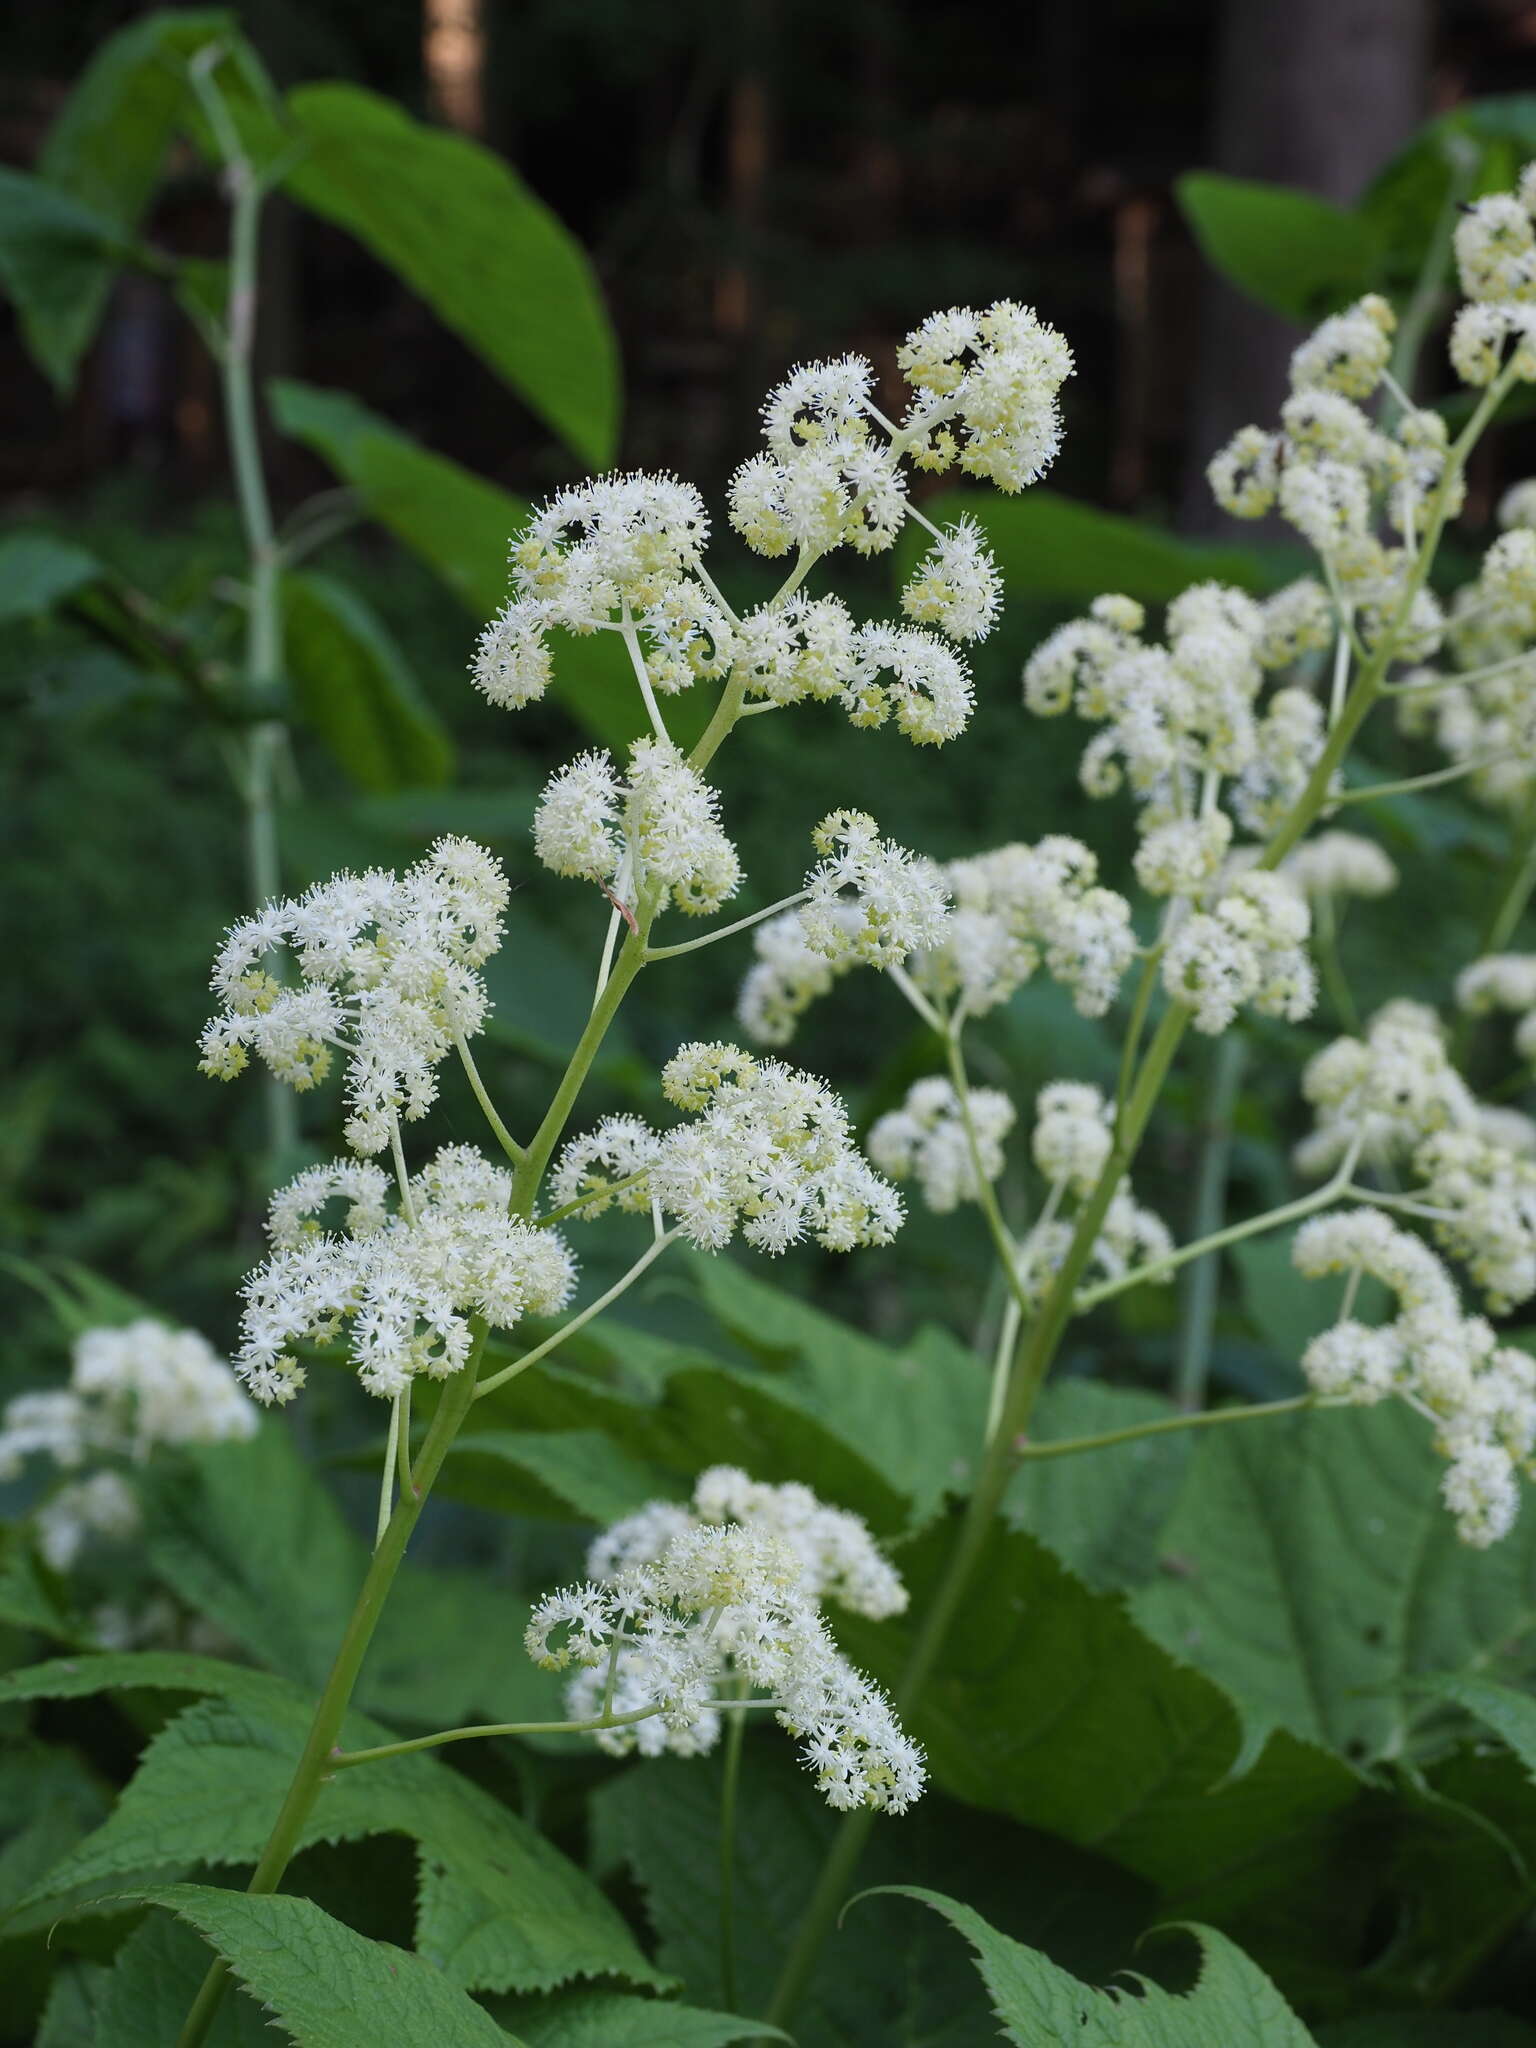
354,690
1296,254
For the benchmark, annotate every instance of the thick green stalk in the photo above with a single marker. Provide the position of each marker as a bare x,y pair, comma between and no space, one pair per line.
315,1761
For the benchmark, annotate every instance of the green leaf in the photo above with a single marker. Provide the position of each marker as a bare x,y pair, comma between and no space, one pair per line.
1296,254
145,1998
499,1905
1052,1706
1053,548
72,2016
491,260
461,526
354,690
329,1987
107,150
48,1801
1100,1513
1232,2001
1510,1714
1318,1574
603,2019
53,254
661,1819
83,1677
37,572
565,1475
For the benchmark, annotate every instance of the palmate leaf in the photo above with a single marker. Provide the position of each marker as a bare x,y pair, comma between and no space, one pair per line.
1232,2000
661,1820
327,1986
513,1914
1319,1575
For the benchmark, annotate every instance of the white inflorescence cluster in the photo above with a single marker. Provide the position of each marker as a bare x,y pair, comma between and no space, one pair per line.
683,1604
1503,982
1479,1395
389,975
1074,1130
1334,864
403,1285
1248,948
131,1387
766,1150
625,553
927,1138
659,826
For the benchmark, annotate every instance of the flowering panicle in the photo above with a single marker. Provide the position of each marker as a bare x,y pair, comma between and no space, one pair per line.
388,970
767,1150
1248,949
1503,982
1479,1395
985,393
682,1603
400,1285
927,1138
1074,1130
869,899
661,827
1333,864
1383,1094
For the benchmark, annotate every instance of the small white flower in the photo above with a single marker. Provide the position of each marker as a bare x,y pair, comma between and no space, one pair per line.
926,1137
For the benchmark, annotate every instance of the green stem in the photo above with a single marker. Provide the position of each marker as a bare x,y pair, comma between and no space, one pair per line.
1511,906
344,1759
1140,1003
1204,1418
736,1728
503,1136
1331,967
726,931
986,1194
1409,785
1422,308
1197,1321
620,1286
316,1760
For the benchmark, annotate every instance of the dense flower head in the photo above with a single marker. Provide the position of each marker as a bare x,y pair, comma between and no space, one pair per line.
1073,1133
986,392
402,1285
1382,1094
659,827
1449,1367
1502,982
868,898
132,1386
955,586
926,1138
1340,864
685,1603
388,974
1018,906
766,1150
1249,949
1348,352
1483,1194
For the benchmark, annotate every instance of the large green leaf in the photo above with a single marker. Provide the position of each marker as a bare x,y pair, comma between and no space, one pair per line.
463,230
606,2019
54,253
144,1999
1232,2001
661,1820
499,1905
107,150
354,690
461,525
48,1801
1049,1704
1318,1573
1292,252
328,1986
37,572
1429,2030
1058,550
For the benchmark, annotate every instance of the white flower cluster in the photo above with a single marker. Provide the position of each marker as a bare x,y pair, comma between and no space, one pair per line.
1479,1395
927,1137
682,1604
869,899
401,1286
1073,1134
1503,982
1481,710
1178,719
624,553
660,827
1249,948
1334,864
1331,472
766,1150
1383,1094
1496,260
131,1387
388,975
1484,1195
